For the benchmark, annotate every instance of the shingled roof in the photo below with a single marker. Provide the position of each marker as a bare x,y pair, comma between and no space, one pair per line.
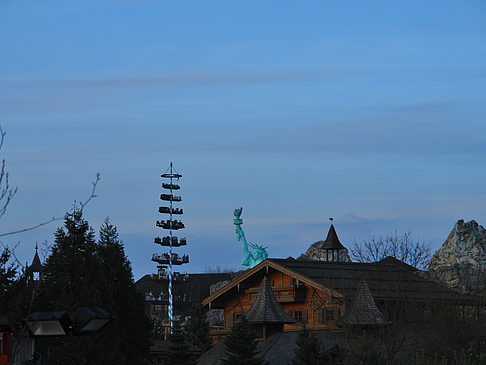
332,240
276,349
266,308
331,243
36,265
389,279
363,311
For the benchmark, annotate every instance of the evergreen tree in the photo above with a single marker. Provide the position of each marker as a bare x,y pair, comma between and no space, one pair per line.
81,273
177,352
241,345
8,272
197,331
71,280
308,350
16,296
72,270
15,293
127,337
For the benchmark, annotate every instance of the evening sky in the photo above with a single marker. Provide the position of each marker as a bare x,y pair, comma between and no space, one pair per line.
371,112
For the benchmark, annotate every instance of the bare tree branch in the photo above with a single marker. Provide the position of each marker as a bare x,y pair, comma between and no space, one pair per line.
400,246
92,195
82,204
45,248
11,251
6,192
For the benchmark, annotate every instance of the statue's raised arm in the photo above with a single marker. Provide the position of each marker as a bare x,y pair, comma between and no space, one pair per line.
259,253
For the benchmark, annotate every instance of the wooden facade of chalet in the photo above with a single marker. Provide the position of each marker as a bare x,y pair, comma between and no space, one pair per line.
317,308
326,296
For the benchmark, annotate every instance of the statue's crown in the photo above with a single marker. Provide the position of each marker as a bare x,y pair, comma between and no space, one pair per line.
257,247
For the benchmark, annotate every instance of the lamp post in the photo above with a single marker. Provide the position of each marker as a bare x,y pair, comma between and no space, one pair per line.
83,322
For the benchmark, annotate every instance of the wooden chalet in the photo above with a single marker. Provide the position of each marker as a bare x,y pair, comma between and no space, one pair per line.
329,295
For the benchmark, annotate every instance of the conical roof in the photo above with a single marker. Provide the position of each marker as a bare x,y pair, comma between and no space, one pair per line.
36,265
363,311
332,240
266,308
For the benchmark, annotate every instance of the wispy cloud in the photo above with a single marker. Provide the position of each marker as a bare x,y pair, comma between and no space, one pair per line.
396,135
265,76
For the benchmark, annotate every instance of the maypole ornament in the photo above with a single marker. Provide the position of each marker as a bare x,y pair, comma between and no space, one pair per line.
171,241
259,254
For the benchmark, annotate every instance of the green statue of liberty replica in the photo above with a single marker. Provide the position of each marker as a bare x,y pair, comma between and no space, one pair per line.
259,254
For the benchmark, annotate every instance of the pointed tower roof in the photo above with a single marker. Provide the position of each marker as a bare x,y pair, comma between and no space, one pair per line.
36,265
266,308
364,311
332,240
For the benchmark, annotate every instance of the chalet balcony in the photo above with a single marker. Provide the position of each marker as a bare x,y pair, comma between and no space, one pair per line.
284,294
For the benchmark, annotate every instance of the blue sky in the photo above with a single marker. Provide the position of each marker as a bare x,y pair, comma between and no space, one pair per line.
297,111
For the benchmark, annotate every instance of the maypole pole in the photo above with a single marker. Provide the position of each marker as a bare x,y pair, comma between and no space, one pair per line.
171,299
170,241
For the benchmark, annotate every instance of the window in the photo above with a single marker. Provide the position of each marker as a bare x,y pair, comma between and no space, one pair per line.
321,317
157,308
236,316
329,315
298,316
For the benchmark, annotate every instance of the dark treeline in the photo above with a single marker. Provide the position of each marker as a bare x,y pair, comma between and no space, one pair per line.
81,271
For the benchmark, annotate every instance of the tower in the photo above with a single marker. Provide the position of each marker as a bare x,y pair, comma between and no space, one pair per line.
35,269
171,225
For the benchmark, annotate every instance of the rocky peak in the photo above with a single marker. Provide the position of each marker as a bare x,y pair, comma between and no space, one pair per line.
461,262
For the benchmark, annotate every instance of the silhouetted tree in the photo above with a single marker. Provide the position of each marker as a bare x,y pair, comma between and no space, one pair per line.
71,280
8,272
177,352
403,247
81,273
197,330
241,345
127,338
16,298
308,350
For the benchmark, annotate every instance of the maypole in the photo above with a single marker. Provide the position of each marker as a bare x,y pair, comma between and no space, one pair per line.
170,241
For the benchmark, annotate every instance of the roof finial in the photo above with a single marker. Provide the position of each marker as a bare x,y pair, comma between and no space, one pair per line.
35,246
331,219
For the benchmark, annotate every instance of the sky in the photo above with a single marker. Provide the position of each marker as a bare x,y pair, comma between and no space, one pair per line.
297,111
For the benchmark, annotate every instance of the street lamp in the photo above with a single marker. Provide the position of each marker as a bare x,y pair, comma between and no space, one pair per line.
83,321
90,320
49,323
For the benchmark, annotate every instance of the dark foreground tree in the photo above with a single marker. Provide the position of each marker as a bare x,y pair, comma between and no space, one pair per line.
197,331
177,352
241,345
8,272
16,296
126,339
308,350
81,273
71,281
403,247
